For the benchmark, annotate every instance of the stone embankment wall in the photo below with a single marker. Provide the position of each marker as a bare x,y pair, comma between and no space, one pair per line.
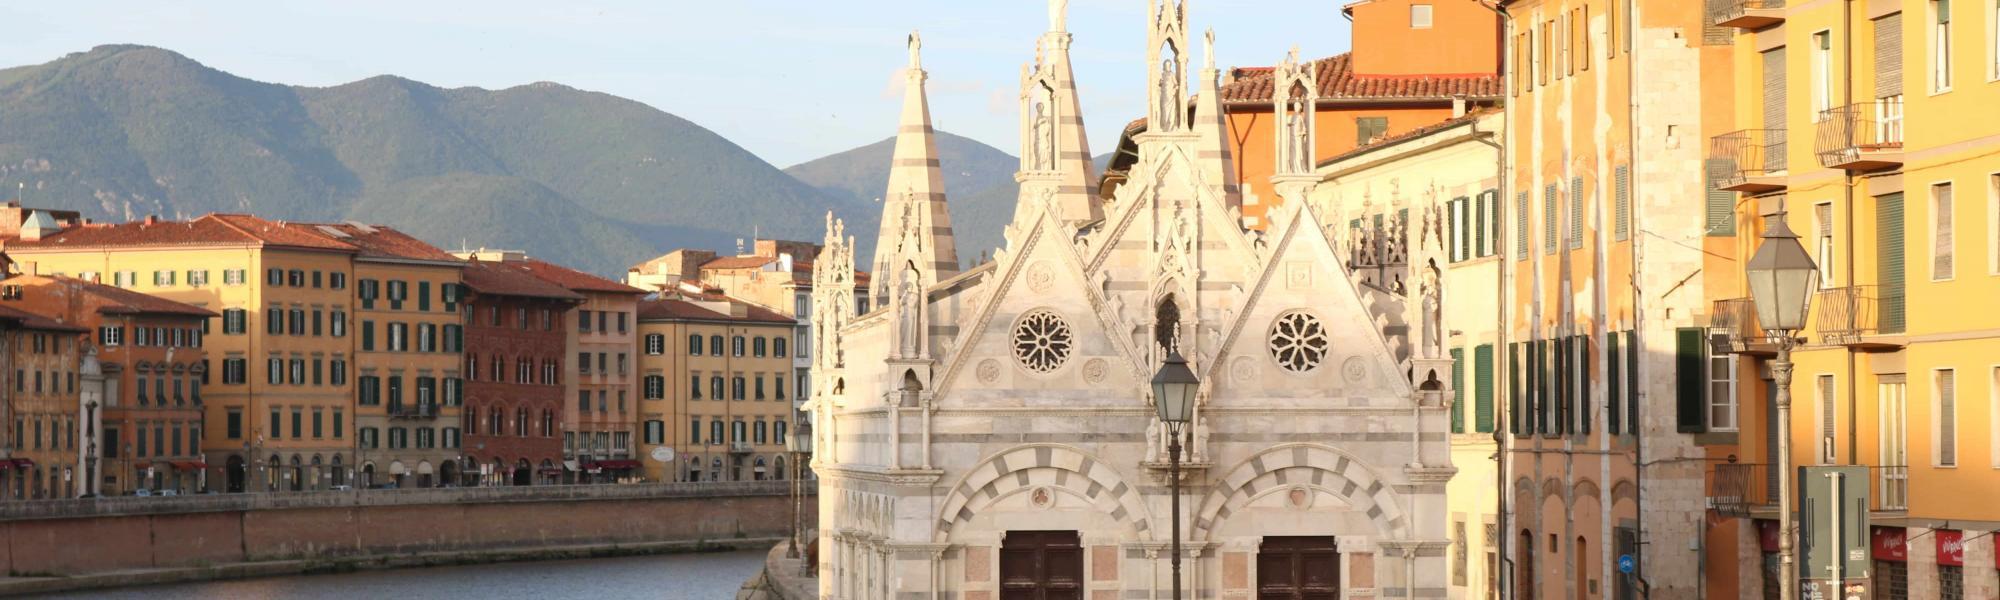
75,537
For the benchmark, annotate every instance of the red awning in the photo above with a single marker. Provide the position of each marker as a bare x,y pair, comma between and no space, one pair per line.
190,465
24,463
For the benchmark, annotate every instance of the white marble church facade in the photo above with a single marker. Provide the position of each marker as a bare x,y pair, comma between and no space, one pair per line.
989,434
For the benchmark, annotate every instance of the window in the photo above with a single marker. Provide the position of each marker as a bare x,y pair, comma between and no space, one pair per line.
399,291
1823,242
694,387
1891,425
758,347
694,341
736,346
1822,73
1420,16
1690,380
297,321
582,321
1944,446
1993,227
235,370
1367,129
1941,244
1722,392
760,386
778,347
1549,219
736,387
656,387
656,432
233,425
715,388
621,321
110,336
424,296
656,344
1576,198
399,337
583,363
1940,46
232,277
427,337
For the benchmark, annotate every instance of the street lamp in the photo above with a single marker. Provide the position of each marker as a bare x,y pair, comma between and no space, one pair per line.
1783,279
799,445
1174,388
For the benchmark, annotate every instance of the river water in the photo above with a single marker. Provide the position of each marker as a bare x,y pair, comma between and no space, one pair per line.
708,576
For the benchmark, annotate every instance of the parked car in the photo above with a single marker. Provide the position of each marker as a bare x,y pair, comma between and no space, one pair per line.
142,492
170,492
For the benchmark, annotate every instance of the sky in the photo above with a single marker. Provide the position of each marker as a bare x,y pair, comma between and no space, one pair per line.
790,80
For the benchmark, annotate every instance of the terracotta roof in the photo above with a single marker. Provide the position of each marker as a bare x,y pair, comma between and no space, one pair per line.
1337,80
512,279
739,262
660,307
375,241
572,279
124,301
1419,132
28,320
213,229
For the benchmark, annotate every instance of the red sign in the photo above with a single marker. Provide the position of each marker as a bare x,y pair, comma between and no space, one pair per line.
1888,543
1951,547
1767,535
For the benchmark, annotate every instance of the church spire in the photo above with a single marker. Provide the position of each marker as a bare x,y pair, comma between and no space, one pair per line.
1217,165
1055,154
916,227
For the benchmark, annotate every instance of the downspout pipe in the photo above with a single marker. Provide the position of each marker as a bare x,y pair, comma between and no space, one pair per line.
1637,423
1504,285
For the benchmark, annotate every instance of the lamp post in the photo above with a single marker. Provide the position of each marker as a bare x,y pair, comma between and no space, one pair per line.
1782,280
799,445
1174,389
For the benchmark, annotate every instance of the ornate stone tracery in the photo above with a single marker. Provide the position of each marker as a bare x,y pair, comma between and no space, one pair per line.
1042,341
1298,341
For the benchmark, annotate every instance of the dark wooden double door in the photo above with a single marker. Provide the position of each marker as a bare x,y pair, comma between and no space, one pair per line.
1298,568
1041,565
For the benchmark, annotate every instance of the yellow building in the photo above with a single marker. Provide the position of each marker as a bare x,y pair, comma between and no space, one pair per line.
408,353
716,375
1872,124
1431,195
270,425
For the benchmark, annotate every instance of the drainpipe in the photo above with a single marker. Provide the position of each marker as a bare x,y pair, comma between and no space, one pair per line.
1636,424
1504,284
1847,98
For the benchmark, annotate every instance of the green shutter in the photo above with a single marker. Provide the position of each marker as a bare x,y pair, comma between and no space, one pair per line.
1622,190
1543,402
1482,392
1459,391
1613,385
1584,405
1889,262
1521,226
1514,388
1721,203
1632,422
1690,382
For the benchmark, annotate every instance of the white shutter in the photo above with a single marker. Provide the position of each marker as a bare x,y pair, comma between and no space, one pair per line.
1947,419
1941,264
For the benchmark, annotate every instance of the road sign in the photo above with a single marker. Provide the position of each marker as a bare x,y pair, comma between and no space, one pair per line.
1626,564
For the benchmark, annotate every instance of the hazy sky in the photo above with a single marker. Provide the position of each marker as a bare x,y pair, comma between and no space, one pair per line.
790,80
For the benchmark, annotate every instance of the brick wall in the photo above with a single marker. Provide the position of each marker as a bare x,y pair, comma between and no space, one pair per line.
83,536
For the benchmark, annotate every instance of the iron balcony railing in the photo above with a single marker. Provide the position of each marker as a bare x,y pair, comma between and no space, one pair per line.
1751,154
1739,489
1858,136
1749,14
413,411
1736,489
1851,313
1733,322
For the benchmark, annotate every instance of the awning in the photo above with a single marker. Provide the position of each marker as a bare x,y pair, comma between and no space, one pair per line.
23,463
190,465
571,465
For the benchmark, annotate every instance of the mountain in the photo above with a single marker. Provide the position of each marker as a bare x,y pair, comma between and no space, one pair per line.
577,177
979,184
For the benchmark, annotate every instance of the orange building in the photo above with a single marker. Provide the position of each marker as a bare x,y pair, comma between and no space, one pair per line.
150,353
1393,82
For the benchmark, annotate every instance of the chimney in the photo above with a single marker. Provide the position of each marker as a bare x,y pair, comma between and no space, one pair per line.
1457,106
152,219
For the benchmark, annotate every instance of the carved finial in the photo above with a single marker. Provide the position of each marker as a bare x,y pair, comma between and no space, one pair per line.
916,49
1293,56
1208,49
1058,10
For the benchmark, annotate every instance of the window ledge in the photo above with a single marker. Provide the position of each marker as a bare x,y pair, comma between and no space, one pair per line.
1715,438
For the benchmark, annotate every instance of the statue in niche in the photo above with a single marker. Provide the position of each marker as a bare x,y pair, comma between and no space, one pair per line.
1433,325
1300,150
1044,130
909,304
1153,440
1199,452
916,48
1058,10
1170,90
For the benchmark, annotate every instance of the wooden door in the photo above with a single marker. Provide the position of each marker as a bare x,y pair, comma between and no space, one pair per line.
1298,568
1041,565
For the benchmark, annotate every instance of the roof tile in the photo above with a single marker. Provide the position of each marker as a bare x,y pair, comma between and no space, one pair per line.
1337,79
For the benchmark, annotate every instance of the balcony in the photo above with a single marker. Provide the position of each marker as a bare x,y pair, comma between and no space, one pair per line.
1733,329
1751,490
1864,136
1746,14
739,447
1743,489
1756,159
1854,316
413,411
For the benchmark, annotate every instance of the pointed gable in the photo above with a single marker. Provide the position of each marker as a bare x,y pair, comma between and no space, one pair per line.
916,225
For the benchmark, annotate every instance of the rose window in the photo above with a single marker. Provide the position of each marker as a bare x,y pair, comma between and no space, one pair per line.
1042,341
1298,342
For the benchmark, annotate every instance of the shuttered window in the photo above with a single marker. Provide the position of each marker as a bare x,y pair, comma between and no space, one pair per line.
1774,110
1827,411
1947,418
1583,404
1482,388
1613,384
1621,181
1889,56
1457,390
1632,423
1889,262
1576,197
1823,242
1514,412
1521,226
1690,380
1941,249
1559,387
1721,210
1489,219
1545,399
1549,217
1940,45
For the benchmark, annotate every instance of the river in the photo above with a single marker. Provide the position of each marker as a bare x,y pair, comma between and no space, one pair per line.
708,576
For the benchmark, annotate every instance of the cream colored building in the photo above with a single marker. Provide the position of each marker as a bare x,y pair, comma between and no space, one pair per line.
994,429
715,387
1445,175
